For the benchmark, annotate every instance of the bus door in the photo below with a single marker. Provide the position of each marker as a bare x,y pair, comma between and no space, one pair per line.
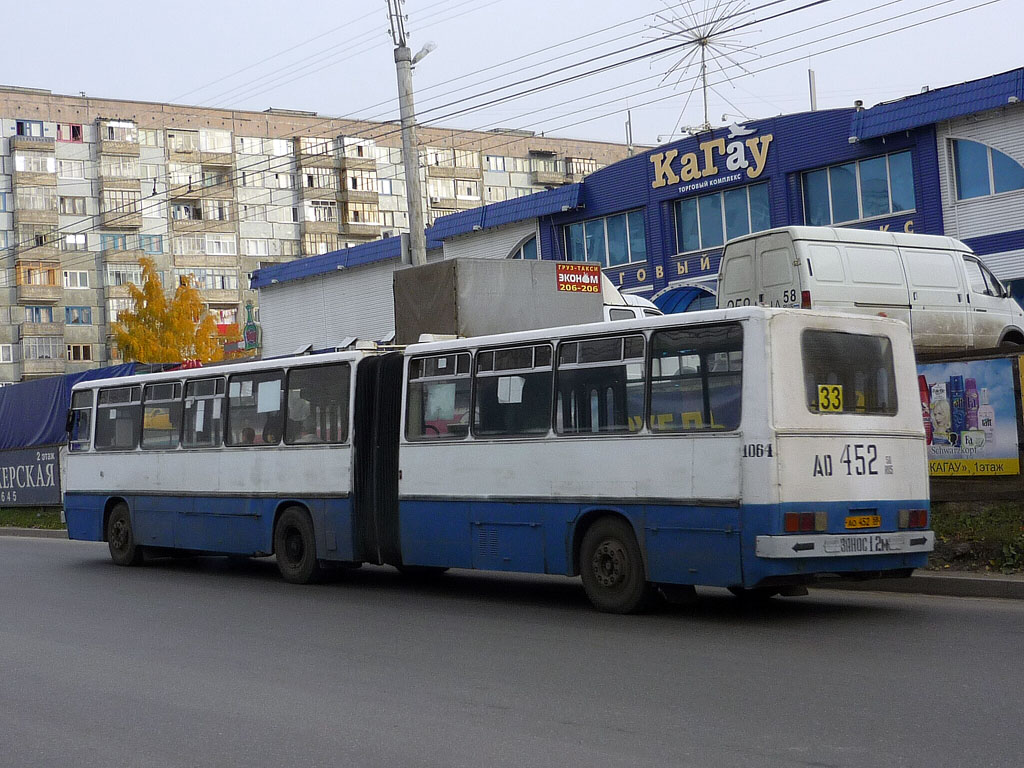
377,416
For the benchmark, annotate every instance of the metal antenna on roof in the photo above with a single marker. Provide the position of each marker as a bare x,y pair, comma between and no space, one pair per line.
712,32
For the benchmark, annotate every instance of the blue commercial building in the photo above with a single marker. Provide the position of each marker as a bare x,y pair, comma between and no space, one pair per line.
944,161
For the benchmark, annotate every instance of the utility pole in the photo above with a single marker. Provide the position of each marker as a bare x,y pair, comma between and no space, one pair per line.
404,61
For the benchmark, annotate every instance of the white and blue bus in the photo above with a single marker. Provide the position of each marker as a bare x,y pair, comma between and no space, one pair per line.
748,448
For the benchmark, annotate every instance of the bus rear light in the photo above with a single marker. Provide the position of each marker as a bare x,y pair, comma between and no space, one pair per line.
803,522
913,518
805,299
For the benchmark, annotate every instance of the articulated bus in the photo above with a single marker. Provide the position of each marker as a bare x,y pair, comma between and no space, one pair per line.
747,448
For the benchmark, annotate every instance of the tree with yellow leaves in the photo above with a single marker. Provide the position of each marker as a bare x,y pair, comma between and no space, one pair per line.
162,330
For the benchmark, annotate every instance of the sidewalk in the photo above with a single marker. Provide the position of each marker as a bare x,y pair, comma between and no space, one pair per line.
948,583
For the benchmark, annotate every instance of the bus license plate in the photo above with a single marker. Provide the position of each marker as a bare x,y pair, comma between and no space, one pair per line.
864,521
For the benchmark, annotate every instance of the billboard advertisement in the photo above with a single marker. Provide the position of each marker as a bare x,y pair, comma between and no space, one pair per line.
970,417
30,477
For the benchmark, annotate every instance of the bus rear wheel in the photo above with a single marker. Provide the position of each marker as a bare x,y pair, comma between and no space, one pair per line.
295,547
121,538
612,568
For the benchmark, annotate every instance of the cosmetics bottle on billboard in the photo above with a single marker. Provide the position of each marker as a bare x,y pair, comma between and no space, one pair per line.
926,409
940,415
958,415
971,404
986,415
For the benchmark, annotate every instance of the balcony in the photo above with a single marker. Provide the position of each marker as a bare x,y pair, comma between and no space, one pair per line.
117,291
319,193
47,218
347,163
321,227
203,225
109,147
216,158
32,143
122,256
42,329
126,183
45,367
361,229
357,196
42,294
548,178
121,219
219,295
450,172
31,179
317,160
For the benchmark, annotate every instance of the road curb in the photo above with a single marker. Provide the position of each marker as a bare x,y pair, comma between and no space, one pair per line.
958,584
35,533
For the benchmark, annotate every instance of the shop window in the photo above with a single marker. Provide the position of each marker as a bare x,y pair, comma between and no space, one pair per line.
981,170
709,220
611,240
878,186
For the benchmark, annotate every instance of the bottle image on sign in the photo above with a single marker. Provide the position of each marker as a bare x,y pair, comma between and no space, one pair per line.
958,413
971,403
926,409
986,415
940,415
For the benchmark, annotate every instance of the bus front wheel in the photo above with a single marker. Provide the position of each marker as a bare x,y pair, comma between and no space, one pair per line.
121,538
612,568
295,547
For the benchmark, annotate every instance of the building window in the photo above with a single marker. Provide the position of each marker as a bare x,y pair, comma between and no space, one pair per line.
119,166
34,162
42,347
467,189
981,170
495,194
121,201
322,210
285,181
113,242
30,128
319,178
118,130
72,206
442,158
579,166
74,242
290,248
189,245
321,242
248,145
361,213
37,273
76,278
115,307
7,353
5,201
150,138
249,212
440,189
384,187
610,241
35,198
216,210
314,145
214,141
78,315
186,212
38,314
467,158
209,279
69,132
709,220
79,353
864,189
123,274
221,245
250,178
211,177
225,315
495,163
527,250
153,244
184,173
70,169
182,141
277,147
255,247
38,235
361,181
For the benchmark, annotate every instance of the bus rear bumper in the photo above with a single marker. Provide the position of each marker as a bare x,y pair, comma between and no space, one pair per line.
827,545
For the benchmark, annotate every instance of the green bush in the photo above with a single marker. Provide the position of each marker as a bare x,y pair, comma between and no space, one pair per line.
978,536
31,517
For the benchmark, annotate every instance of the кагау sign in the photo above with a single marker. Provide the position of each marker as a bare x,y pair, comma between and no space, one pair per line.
724,160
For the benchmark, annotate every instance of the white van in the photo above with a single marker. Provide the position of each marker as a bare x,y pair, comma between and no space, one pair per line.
936,285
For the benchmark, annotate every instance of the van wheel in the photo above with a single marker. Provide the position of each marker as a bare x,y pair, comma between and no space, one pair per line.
295,547
121,538
612,568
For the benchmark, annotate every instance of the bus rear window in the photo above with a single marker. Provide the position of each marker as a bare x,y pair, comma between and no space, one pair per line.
848,373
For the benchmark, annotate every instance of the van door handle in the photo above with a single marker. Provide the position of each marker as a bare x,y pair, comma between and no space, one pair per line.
915,295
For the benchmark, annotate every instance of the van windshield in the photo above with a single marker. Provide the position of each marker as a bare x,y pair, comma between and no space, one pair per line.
848,373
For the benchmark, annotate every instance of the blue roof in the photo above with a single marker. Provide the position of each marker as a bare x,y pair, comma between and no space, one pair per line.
679,299
357,255
510,211
938,105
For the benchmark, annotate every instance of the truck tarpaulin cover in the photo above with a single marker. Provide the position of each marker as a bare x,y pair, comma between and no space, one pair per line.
35,412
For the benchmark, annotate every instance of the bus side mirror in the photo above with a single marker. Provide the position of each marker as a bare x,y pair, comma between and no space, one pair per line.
69,423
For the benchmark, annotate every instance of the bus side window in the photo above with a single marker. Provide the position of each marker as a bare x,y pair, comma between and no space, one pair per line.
438,397
600,385
513,392
118,416
204,411
255,408
80,426
696,378
161,415
318,404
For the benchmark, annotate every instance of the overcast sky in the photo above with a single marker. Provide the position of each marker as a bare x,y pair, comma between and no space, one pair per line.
341,60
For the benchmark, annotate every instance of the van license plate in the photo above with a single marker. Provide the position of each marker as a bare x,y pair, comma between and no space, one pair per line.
864,521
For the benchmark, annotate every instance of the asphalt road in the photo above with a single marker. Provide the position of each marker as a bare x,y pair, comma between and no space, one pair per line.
204,663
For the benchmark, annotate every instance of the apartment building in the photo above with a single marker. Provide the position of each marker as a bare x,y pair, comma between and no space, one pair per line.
89,186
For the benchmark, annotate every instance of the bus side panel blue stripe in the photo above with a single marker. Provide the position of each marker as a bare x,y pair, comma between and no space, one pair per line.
435,533
693,545
84,515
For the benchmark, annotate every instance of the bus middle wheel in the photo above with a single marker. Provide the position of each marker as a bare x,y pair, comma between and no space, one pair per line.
612,568
295,547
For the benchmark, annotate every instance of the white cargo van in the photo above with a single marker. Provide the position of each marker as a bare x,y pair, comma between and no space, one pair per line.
935,284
